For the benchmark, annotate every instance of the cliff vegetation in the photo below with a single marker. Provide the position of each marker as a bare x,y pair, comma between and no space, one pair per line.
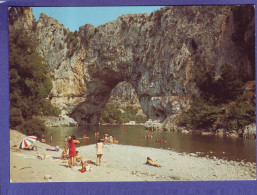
30,84
115,114
225,102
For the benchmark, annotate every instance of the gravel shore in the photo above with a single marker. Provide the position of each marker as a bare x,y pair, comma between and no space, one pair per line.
122,163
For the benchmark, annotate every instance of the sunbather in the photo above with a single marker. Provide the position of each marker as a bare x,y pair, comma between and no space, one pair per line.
56,149
150,162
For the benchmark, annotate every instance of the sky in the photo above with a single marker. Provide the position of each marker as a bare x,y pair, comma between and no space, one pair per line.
74,17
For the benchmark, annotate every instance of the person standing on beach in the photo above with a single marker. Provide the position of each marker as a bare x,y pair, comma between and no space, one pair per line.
51,138
99,152
97,135
72,150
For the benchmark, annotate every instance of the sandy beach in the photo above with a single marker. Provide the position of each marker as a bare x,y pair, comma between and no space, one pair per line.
121,163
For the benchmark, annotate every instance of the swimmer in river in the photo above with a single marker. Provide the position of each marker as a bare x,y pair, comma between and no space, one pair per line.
160,140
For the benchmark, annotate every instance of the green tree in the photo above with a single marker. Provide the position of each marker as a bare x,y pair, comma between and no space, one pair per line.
215,94
200,115
243,112
112,114
30,82
33,127
228,87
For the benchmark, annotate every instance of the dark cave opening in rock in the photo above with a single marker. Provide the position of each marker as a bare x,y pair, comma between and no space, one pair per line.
107,103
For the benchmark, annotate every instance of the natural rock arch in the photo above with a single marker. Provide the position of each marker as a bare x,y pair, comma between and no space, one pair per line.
155,53
156,59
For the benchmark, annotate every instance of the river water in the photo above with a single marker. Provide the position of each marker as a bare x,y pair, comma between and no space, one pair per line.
236,149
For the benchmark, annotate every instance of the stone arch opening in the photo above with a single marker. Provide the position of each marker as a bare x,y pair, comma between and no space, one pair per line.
98,92
125,103
102,91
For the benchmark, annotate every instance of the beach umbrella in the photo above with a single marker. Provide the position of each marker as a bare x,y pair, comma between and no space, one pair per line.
27,141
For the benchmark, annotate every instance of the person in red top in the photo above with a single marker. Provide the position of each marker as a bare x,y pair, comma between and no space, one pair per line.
72,150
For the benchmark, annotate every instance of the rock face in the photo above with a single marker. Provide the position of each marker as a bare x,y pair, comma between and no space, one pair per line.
249,131
155,53
124,94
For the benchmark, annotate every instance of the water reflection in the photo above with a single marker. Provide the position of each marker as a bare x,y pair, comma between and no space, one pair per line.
221,147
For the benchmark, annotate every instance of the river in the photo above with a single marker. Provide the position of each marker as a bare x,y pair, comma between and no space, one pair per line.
236,149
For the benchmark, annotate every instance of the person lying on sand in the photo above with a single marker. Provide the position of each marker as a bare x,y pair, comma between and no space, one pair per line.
150,162
56,149
31,148
41,156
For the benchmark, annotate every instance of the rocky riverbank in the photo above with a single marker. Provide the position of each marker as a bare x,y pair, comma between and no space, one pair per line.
248,131
122,163
58,121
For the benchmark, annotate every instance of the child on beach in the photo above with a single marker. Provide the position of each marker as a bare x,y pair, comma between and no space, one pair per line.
99,152
79,158
111,139
67,142
106,136
85,166
64,154
43,139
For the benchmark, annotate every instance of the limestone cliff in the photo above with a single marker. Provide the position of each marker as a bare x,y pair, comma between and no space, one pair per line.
154,53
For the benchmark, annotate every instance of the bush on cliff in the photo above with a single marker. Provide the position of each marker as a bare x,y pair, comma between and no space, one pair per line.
215,95
243,112
30,83
72,42
112,114
218,90
200,115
